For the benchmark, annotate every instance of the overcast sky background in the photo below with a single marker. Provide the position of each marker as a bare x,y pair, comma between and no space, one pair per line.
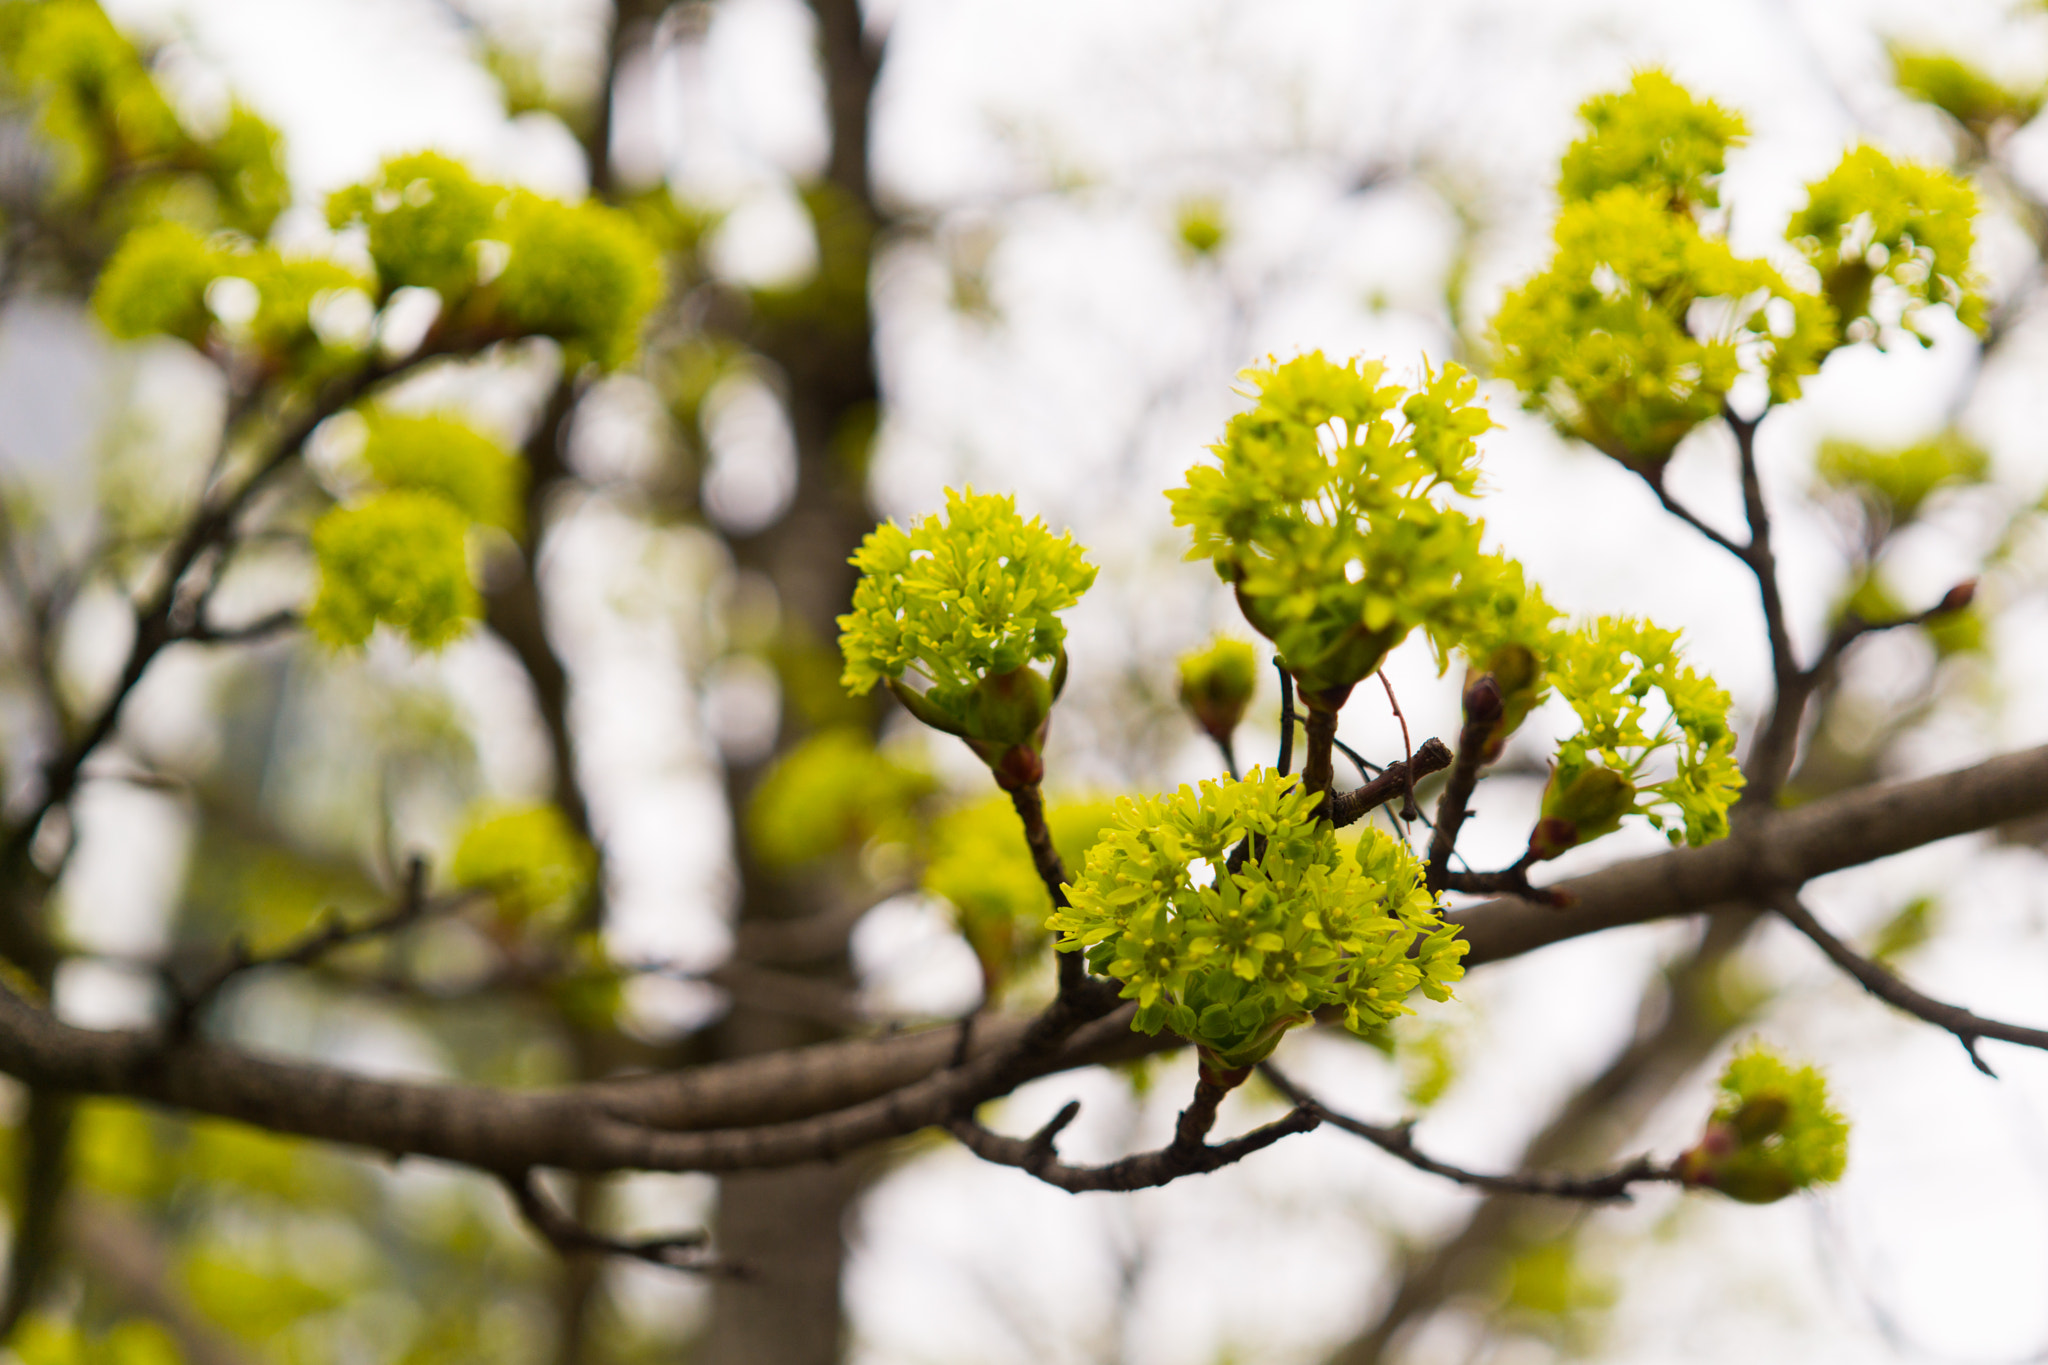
1053,143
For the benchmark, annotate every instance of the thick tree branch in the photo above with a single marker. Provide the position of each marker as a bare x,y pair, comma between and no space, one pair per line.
819,1102
1777,848
1967,1027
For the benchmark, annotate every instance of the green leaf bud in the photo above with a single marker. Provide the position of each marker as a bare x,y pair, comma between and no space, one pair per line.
398,558
1963,92
424,215
831,793
956,613
156,284
537,868
1230,954
581,273
1889,487
1513,642
981,867
1641,325
1580,807
1772,1133
1606,671
449,458
1322,511
1217,683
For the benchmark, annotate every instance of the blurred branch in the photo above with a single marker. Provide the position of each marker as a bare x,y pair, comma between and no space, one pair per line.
123,1253
44,1163
679,1251
332,934
1678,1026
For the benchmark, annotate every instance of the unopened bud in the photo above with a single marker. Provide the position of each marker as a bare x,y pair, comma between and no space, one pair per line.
1482,700
1957,598
1216,684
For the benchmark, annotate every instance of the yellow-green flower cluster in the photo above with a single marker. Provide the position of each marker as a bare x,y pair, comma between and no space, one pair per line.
1607,671
1322,511
980,865
1230,956
1963,92
399,558
437,478
529,859
506,262
1653,137
1642,323
1873,218
1773,1132
833,792
163,280
114,135
966,602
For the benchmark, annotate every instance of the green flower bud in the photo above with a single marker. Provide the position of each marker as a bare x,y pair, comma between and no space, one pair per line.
1216,685
1579,807
1773,1132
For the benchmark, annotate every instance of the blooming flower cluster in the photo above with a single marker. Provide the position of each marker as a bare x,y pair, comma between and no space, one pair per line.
1607,671
1324,510
967,603
1232,914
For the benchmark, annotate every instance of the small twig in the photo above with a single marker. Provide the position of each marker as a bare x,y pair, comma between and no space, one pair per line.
1482,713
262,628
687,1251
1967,1027
1367,769
1398,1140
1408,808
1395,779
1512,881
1655,479
332,933
1188,1154
1758,556
1045,857
1284,764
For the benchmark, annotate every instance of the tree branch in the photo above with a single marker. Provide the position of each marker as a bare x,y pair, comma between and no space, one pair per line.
688,1251
1482,712
1398,1140
1967,1027
820,1102
1396,779
1045,857
1188,1153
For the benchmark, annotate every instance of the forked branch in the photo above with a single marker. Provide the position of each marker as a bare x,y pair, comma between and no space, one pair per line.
1967,1027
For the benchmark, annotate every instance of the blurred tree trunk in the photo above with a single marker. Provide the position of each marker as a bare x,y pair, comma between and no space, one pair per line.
787,1228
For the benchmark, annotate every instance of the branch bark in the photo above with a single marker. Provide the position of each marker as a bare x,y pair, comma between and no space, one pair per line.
821,1102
